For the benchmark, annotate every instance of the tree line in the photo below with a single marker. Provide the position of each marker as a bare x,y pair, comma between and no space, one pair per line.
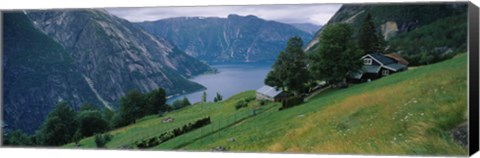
337,56
65,125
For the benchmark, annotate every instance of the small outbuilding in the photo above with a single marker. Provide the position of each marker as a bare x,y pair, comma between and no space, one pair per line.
270,93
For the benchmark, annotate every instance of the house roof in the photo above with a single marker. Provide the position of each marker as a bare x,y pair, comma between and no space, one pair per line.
382,58
398,58
357,75
269,91
394,66
371,68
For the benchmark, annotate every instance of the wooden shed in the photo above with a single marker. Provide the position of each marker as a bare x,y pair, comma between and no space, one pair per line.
269,93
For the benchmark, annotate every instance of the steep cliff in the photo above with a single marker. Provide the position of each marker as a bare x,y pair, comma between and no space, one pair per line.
84,56
38,73
392,20
111,51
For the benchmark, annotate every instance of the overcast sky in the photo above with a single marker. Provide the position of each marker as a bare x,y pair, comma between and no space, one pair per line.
316,14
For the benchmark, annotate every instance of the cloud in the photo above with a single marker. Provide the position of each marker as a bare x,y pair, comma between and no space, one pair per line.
316,13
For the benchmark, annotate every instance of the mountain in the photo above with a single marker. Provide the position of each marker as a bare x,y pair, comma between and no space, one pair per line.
97,58
38,72
232,39
411,29
307,27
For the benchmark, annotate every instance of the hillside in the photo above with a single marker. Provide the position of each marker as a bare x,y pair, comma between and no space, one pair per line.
411,112
232,39
403,22
37,74
307,27
77,52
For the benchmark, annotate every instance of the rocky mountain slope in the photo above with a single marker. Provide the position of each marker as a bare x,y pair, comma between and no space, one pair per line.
232,39
307,27
38,73
107,56
393,20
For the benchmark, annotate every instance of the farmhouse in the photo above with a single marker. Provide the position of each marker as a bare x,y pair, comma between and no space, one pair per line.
377,65
270,93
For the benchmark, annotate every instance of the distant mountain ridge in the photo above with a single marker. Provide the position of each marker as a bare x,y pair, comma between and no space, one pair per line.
307,27
107,56
232,39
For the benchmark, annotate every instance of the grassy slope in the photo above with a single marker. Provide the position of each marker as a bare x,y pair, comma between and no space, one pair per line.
406,113
152,125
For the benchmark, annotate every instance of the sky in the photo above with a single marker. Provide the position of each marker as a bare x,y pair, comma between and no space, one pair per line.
318,14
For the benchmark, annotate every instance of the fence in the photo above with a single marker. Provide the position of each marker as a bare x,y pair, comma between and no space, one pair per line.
214,129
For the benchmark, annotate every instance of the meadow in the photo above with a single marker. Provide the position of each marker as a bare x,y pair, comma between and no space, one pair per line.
411,112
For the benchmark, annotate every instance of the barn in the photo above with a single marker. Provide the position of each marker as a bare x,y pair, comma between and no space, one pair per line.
269,93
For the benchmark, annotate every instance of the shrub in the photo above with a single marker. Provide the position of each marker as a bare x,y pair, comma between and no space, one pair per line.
263,102
241,104
291,102
102,139
154,141
249,99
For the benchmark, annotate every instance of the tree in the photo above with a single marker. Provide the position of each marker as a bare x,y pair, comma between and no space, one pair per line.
108,115
289,71
186,102
59,127
118,121
204,97
17,138
102,139
132,107
156,101
77,136
368,39
177,104
218,98
337,55
87,106
91,122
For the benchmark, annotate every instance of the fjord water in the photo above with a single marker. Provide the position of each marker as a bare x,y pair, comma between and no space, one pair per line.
231,79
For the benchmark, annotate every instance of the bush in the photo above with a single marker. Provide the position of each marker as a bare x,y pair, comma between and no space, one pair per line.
241,104
263,102
17,138
180,103
154,141
291,102
249,99
102,139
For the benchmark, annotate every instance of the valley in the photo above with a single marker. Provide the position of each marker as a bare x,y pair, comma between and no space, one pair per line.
363,81
368,124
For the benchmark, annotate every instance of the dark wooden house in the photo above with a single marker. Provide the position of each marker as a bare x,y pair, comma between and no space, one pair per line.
377,65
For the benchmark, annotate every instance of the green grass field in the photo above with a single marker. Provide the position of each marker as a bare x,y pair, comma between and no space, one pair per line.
410,112
221,113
